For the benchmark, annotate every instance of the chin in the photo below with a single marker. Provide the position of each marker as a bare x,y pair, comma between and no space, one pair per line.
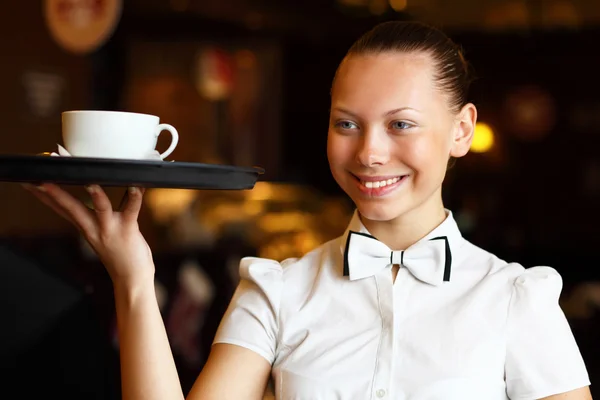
378,210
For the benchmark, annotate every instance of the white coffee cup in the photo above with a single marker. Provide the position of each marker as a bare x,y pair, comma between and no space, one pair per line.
114,134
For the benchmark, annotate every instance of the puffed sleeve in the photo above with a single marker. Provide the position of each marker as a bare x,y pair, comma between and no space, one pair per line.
542,357
252,318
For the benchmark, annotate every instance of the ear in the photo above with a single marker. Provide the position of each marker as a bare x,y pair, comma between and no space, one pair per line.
463,131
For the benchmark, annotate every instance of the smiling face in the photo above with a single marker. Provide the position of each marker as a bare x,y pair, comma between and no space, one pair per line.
392,132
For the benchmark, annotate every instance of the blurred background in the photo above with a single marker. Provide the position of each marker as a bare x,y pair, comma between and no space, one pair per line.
246,82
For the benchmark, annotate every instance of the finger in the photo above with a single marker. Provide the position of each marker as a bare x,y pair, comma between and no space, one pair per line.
123,201
102,205
125,197
132,208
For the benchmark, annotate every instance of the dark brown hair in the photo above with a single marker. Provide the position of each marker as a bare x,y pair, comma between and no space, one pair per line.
452,71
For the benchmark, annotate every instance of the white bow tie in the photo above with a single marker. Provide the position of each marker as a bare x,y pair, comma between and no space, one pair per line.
429,261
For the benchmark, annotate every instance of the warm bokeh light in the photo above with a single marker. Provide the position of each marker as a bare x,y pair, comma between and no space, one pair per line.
378,7
398,5
165,204
483,139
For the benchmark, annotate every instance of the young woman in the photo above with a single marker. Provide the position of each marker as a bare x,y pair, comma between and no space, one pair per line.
400,306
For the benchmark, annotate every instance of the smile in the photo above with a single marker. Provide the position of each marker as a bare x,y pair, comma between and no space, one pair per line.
379,185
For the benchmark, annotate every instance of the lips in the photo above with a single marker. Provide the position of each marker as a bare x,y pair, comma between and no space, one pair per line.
379,185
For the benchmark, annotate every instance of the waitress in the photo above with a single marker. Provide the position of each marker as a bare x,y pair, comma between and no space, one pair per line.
401,306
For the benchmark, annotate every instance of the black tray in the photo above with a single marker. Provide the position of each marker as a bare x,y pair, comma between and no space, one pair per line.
111,172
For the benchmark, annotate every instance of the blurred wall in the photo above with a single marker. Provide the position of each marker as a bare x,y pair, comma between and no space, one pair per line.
30,60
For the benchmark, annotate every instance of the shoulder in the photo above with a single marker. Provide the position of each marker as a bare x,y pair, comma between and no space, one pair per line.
536,288
513,277
312,263
296,270
542,355
473,257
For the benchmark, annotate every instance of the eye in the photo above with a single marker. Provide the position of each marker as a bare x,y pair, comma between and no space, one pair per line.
401,125
346,125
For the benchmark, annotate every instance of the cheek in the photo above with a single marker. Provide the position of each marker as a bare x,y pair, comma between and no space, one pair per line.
426,154
338,150
331,156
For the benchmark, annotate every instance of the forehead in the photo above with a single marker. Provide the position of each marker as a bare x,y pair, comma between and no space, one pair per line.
384,81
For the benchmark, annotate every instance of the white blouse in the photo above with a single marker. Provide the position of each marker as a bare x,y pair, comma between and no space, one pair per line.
489,330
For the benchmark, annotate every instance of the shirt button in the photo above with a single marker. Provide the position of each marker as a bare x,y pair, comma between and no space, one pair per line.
380,393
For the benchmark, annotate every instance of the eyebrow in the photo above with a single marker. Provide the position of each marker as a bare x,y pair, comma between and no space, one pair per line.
387,114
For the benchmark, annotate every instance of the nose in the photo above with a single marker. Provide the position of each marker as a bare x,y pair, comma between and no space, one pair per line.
373,150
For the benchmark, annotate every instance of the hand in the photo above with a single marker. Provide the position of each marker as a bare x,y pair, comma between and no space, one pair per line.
114,235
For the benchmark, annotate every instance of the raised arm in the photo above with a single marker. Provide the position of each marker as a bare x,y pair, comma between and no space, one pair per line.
148,370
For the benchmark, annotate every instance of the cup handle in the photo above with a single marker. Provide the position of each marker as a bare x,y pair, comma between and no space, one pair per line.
174,138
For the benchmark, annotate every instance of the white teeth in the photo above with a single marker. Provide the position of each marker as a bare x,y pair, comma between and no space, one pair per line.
380,184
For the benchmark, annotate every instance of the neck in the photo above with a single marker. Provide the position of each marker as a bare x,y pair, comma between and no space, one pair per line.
405,230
